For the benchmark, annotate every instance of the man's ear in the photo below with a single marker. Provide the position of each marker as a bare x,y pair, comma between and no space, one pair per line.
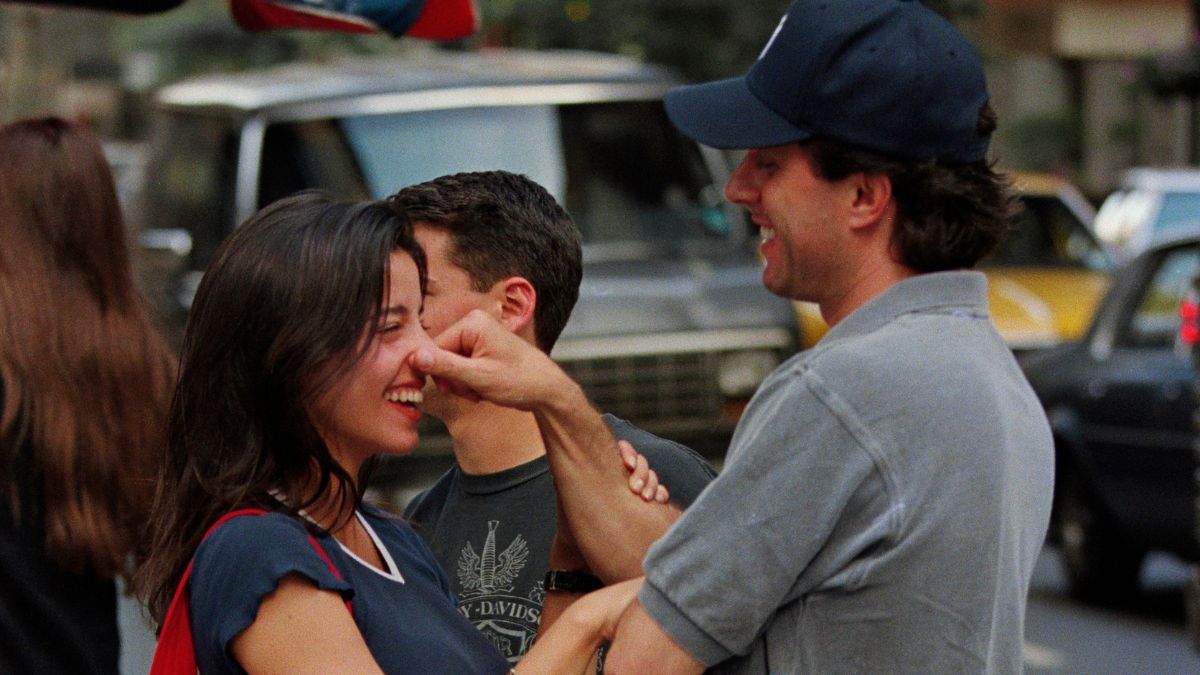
872,202
517,303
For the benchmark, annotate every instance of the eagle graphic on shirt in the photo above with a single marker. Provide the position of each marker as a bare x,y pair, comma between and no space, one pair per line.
488,572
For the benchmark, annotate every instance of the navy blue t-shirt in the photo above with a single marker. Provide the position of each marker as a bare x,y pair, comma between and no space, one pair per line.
407,616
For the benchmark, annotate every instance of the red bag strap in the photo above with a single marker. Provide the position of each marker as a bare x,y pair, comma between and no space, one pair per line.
175,653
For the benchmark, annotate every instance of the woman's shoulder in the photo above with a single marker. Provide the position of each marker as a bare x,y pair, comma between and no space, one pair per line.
255,531
238,565
263,547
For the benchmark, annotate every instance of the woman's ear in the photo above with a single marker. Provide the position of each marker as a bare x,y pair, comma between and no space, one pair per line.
517,304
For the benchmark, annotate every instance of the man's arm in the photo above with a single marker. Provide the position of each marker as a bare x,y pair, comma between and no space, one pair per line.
642,646
612,527
569,646
480,359
564,550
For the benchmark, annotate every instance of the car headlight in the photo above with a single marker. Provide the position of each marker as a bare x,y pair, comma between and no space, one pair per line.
740,373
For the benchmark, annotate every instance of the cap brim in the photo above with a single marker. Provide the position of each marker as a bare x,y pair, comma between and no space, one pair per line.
445,20
725,114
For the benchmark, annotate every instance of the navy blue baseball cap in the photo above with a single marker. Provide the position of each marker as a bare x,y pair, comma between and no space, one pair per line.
890,76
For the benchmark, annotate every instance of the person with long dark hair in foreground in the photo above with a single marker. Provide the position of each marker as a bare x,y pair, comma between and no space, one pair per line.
294,375
85,381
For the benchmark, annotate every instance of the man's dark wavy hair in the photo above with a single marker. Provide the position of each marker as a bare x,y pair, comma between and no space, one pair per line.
504,224
949,216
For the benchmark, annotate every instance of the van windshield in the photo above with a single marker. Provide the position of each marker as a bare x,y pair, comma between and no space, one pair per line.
620,168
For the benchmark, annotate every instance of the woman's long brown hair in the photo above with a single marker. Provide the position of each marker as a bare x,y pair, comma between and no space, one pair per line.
85,378
277,321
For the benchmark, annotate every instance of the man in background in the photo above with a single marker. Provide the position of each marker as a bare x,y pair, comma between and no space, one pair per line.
500,243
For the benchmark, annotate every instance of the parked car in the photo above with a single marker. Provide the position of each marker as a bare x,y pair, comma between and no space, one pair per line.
1149,203
1044,281
1121,403
673,329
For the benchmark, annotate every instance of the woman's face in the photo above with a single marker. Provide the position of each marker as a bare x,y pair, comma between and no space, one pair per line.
372,409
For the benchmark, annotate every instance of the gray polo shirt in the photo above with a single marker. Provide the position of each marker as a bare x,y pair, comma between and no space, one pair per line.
882,504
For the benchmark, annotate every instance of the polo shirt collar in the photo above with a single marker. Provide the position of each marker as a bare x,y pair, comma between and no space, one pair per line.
963,291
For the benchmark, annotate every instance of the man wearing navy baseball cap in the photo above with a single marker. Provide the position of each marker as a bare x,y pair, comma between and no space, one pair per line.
886,492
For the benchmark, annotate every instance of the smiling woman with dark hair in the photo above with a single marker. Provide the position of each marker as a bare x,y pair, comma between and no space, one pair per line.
295,372
84,385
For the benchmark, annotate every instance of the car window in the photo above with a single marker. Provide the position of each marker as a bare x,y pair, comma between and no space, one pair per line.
1048,234
1178,209
1154,322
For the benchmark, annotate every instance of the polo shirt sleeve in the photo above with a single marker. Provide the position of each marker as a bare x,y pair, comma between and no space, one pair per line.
799,500
235,568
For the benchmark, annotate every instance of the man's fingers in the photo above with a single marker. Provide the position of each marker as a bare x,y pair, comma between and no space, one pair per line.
450,372
462,336
651,488
662,495
643,481
628,454
637,480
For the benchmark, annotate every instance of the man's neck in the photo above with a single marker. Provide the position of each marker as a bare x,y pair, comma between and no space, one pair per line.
490,438
864,283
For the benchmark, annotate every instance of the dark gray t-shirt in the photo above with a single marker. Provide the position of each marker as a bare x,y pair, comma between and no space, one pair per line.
492,533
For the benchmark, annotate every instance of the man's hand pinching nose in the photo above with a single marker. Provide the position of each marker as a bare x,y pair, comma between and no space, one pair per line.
441,371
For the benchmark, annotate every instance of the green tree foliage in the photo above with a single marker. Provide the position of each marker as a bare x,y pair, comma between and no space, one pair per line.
702,39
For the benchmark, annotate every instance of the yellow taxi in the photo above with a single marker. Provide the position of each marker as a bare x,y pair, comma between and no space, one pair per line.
1044,281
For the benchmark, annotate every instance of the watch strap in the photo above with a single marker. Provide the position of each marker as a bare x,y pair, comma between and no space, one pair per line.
572,581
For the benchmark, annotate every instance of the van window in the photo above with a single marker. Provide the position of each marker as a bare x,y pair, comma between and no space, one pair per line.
302,155
408,148
619,168
632,177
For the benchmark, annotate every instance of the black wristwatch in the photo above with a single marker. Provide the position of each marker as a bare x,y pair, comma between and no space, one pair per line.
572,581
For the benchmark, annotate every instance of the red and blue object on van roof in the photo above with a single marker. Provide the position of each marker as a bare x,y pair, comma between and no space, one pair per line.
426,19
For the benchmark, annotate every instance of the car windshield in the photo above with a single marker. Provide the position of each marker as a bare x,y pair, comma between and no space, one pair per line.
620,169
1048,234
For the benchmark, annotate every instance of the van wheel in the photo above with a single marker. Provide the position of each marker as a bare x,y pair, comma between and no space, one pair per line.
1100,567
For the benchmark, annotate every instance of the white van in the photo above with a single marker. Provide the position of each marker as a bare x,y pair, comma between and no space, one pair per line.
673,329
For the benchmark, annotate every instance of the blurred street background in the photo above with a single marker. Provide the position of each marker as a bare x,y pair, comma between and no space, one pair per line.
1099,107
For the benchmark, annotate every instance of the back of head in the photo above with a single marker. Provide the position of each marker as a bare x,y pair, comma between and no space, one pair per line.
84,374
503,224
59,201
888,80
278,317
